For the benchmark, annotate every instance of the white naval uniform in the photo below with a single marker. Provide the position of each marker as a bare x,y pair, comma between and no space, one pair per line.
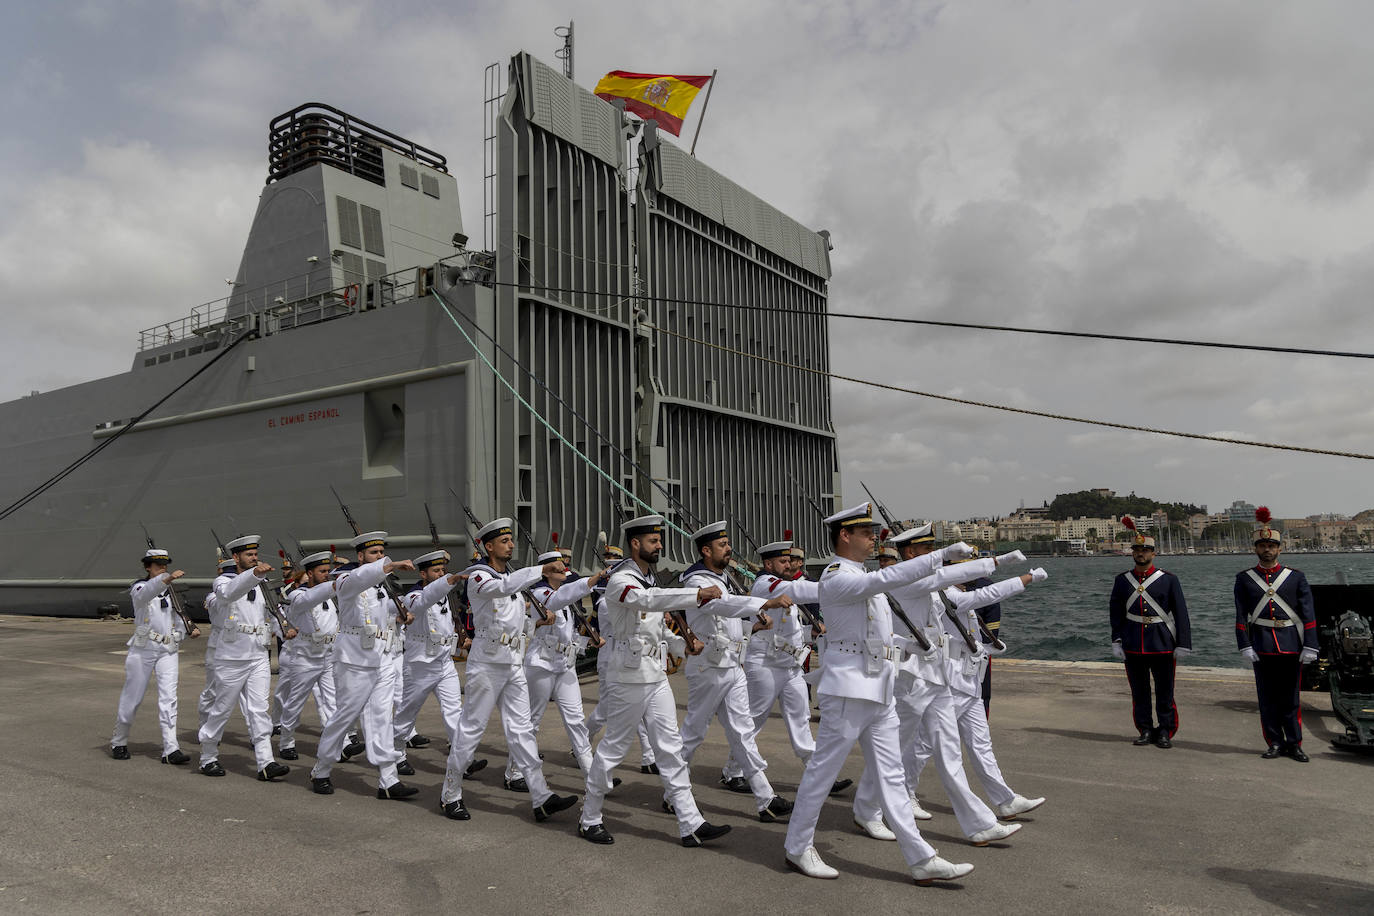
496,677
856,699
431,643
925,707
635,690
964,672
716,685
242,672
551,665
305,665
153,649
597,718
773,671
365,649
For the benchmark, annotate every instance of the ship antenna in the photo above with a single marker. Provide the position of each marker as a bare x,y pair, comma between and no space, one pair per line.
565,53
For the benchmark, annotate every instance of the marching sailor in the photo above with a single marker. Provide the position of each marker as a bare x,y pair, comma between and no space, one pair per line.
496,675
152,655
856,697
1276,632
433,642
926,708
1150,632
242,671
306,663
207,696
636,689
716,685
364,671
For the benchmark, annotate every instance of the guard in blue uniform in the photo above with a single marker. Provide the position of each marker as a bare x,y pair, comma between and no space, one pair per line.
1150,632
1276,631
991,618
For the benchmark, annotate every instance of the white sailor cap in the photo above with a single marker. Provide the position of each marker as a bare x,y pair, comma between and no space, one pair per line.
708,533
316,559
857,517
645,524
549,556
433,558
247,542
914,535
494,529
156,555
369,539
228,564
775,549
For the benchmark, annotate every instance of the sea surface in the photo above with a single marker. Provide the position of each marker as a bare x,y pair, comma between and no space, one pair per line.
1065,617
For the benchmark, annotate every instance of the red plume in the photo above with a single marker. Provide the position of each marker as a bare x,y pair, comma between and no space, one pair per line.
555,539
883,536
331,551
787,535
282,554
1128,522
1262,515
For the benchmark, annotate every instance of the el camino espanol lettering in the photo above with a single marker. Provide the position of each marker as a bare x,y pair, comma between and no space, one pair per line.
305,416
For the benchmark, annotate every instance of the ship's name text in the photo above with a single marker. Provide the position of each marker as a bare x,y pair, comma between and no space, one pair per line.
305,416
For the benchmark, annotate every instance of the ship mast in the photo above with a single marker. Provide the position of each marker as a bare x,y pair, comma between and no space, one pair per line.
565,53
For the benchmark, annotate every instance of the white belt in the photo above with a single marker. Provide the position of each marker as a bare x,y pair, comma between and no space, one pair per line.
1265,622
159,637
362,631
891,653
260,630
1146,619
322,639
500,637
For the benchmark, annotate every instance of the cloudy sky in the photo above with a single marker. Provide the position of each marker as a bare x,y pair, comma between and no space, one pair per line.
1175,169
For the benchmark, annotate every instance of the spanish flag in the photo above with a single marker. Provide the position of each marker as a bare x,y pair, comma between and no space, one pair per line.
661,96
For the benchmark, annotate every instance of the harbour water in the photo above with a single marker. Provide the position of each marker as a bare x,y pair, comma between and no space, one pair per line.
1065,617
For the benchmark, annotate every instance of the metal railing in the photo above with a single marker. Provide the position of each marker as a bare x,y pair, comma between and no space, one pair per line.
314,133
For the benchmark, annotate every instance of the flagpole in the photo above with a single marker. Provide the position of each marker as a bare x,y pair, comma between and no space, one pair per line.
702,117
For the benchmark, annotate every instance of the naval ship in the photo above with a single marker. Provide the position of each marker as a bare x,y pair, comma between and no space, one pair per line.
559,372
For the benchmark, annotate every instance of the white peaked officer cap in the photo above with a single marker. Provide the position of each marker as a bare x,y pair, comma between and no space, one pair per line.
494,529
156,555
433,558
708,533
645,524
775,549
914,535
316,559
549,556
369,539
247,542
859,516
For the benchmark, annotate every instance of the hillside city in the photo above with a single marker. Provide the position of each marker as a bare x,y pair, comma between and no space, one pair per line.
1089,522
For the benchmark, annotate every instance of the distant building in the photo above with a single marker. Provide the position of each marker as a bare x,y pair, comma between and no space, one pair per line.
1241,511
1103,492
1025,527
1073,547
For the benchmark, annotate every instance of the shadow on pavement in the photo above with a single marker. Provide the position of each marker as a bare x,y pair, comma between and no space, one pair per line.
1300,893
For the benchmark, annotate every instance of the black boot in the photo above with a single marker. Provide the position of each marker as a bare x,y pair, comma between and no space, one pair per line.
273,771
321,786
517,784
1146,737
289,753
417,741
397,790
778,808
840,785
404,768
1274,750
704,834
212,769
120,752
456,810
596,833
644,768
552,805
177,758
1295,751
475,767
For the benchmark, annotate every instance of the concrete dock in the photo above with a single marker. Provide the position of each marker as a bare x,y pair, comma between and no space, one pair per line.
1205,827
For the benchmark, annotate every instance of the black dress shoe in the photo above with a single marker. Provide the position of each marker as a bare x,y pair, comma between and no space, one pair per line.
288,753
517,784
667,808
704,834
1273,751
321,786
1146,737
212,769
552,805
1162,740
596,833
457,811
417,741
273,771
404,768
276,730
475,767
778,808
840,785
397,790
353,749
176,758
1295,751
120,753
615,782
646,768
736,784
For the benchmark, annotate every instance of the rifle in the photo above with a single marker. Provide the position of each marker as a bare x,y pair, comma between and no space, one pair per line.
273,604
888,520
191,629
403,616
952,614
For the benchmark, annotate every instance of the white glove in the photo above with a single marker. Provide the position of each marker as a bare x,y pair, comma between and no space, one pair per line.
1118,651
957,551
1038,574
1182,652
1250,655
1015,556
991,649
1308,656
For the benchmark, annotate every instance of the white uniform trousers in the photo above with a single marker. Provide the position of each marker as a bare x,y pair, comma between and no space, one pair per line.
721,692
769,684
845,720
207,696
597,719
246,684
973,731
651,707
432,676
488,686
360,691
139,668
926,713
300,676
